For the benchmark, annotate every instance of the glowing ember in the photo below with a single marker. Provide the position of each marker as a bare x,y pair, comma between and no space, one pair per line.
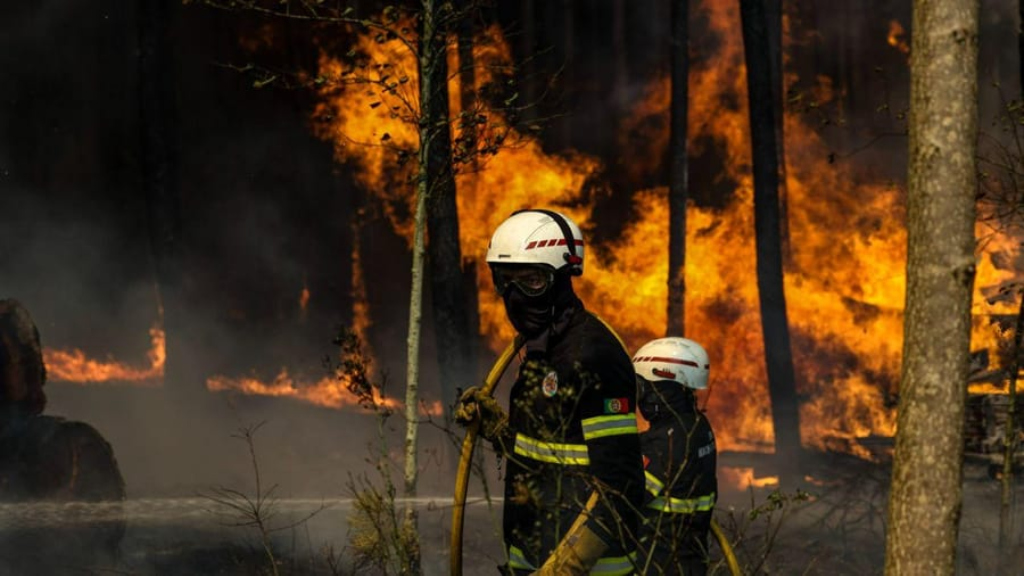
329,392
304,300
75,367
897,37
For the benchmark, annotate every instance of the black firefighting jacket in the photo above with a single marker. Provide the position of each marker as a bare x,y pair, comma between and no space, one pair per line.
680,461
573,431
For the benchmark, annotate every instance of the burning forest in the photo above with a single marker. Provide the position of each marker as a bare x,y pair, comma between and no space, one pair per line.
231,217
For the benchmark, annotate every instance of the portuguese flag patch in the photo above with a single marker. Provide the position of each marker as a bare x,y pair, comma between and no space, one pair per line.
616,405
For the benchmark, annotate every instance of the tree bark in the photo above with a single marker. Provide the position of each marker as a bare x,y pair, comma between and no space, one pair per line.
924,504
771,290
444,253
677,175
159,166
412,373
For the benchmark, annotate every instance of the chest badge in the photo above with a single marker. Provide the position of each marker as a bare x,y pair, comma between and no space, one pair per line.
550,384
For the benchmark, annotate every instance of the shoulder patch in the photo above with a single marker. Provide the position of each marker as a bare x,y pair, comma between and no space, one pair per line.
616,405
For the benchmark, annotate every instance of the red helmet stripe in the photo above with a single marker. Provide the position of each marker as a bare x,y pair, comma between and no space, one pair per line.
672,361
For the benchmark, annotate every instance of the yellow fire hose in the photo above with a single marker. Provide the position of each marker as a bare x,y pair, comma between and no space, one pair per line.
466,456
466,459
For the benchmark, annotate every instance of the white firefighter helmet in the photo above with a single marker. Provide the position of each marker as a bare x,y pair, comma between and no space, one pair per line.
678,359
538,237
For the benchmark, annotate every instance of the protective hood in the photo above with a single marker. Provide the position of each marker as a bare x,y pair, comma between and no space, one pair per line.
538,318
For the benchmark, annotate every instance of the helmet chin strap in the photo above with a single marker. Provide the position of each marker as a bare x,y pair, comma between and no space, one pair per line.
572,259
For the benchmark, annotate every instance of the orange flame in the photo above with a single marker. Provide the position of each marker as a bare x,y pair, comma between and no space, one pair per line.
329,392
743,478
74,366
845,285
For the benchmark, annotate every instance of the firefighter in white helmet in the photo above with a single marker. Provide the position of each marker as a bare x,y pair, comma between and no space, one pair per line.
570,435
679,457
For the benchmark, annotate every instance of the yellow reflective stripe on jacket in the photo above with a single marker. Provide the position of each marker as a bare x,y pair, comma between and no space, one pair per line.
654,486
615,565
564,454
516,559
683,505
610,425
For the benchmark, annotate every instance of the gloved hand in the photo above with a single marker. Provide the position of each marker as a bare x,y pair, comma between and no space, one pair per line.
475,405
575,555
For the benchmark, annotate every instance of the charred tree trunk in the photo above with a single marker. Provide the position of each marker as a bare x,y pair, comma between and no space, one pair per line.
528,103
467,82
444,253
771,290
1020,43
468,104
619,55
1010,446
677,174
568,67
773,12
925,500
159,166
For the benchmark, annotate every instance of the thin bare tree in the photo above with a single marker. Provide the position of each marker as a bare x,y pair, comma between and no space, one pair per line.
678,191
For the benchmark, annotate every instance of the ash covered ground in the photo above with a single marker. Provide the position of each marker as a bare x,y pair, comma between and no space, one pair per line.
311,454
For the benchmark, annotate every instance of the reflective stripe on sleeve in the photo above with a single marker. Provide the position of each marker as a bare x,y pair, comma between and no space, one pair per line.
615,565
611,425
564,454
516,559
683,505
654,486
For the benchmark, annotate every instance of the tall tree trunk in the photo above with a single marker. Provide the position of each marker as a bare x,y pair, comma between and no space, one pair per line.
412,373
568,63
620,69
677,174
773,12
1010,447
774,322
1020,43
444,253
1010,432
468,104
159,165
434,177
924,504
529,69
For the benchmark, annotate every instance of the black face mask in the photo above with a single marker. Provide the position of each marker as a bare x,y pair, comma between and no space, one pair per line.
663,398
649,403
530,315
